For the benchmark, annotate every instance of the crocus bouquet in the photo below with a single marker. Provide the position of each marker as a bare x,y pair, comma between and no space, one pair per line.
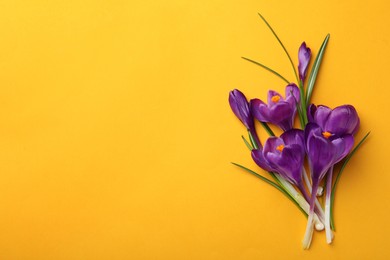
324,140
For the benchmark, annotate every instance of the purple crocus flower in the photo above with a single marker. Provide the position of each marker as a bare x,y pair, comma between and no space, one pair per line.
337,126
323,150
304,55
283,155
339,121
278,111
241,109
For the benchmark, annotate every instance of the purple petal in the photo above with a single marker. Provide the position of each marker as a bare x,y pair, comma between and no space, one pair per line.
259,110
310,112
292,94
281,115
342,120
271,94
321,154
288,163
304,55
293,136
259,159
312,128
240,107
271,144
321,115
342,146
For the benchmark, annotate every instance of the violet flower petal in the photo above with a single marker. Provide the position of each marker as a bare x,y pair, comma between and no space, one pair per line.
240,107
271,144
292,95
342,120
281,115
343,146
258,158
294,136
304,55
321,115
320,151
259,110
288,162
286,155
271,95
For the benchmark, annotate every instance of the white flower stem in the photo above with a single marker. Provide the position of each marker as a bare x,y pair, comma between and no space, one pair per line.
300,200
328,230
306,179
309,228
320,211
309,232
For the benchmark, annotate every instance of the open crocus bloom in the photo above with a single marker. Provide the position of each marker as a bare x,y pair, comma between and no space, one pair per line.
323,150
283,155
279,111
339,121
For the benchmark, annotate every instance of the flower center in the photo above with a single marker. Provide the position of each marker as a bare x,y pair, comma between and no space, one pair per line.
280,148
326,134
275,99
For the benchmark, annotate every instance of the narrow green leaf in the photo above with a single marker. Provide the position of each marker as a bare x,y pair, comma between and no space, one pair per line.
281,44
303,104
338,178
314,70
273,184
247,143
300,114
267,128
267,68
253,141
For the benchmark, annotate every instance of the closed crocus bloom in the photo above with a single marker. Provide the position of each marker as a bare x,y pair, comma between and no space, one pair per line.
279,111
339,121
241,109
304,55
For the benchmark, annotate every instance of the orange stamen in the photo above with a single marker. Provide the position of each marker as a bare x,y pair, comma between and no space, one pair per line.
275,99
280,148
326,134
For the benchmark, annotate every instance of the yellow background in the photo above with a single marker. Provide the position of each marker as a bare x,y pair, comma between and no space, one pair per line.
116,136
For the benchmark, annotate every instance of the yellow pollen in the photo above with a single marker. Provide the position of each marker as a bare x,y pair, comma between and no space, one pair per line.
326,134
275,99
280,148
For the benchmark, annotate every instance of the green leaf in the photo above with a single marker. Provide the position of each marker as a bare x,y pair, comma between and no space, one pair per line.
300,114
267,68
314,70
247,143
267,128
273,184
302,104
253,141
281,44
338,178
